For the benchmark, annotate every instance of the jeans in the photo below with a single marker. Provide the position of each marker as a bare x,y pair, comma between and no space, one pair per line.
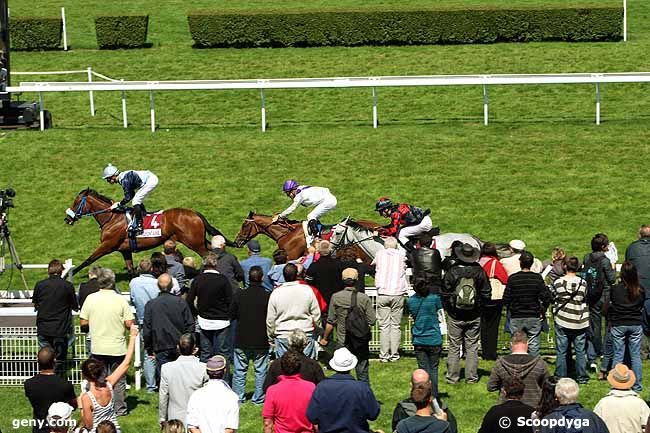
577,337
606,362
532,327
629,337
428,358
215,342
260,360
463,334
595,340
60,346
162,358
119,390
389,318
490,319
282,345
362,370
148,367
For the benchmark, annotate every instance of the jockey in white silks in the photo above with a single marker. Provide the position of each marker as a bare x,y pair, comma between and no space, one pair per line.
320,198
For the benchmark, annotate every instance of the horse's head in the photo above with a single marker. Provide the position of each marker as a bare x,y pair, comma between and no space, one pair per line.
249,229
86,202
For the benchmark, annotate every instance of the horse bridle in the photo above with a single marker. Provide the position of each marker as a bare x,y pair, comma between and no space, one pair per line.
263,229
80,212
352,242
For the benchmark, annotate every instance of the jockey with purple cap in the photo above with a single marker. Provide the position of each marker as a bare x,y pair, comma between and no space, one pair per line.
320,198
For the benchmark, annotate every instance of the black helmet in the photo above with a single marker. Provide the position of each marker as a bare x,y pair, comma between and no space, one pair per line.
383,203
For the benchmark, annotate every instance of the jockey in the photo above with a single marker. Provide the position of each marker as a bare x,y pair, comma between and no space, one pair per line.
137,185
321,198
406,221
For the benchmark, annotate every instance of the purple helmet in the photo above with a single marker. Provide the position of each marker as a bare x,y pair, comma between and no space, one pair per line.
290,185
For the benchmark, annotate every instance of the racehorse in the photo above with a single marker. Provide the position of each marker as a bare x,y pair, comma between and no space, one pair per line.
186,226
350,233
289,235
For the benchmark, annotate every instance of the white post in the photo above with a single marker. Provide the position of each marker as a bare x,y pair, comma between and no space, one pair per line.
485,105
65,31
263,112
375,120
624,20
153,111
597,103
90,92
137,363
42,114
125,121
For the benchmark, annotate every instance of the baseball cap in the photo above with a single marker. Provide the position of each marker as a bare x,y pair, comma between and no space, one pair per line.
350,274
254,246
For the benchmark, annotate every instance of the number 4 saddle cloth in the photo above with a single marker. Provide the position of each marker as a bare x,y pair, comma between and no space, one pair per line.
151,223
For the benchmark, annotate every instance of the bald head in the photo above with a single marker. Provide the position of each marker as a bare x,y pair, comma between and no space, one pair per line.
165,282
644,231
46,357
419,376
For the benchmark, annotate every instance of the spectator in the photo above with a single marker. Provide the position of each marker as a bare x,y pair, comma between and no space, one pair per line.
227,264
97,397
426,264
291,305
143,289
547,402
106,427
349,259
310,369
325,274
59,418
54,299
203,415
249,307
491,311
512,264
159,267
406,408
174,266
424,306
285,407
322,305
89,286
512,409
598,260
585,421
531,370
341,305
340,403
527,298
255,259
625,314
276,275
638,252
213,294
451,259
166,318
179,379
107,314
622,410
556,263
190,269
46,388
174,425
425,419
466,289
390,280
571,314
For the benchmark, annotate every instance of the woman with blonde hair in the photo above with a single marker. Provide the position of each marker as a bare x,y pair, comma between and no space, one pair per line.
172,426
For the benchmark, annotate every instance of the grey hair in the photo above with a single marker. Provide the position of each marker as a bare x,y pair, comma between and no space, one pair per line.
390,243
325,248
297,340
94,271
218,241
106,279
567,391
210,261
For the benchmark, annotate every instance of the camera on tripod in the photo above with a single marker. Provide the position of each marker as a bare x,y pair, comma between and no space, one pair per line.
6,199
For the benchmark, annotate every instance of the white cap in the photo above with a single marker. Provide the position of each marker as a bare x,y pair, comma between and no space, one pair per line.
517,244
59,410
343,360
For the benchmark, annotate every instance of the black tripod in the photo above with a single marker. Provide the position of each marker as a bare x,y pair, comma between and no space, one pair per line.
7,241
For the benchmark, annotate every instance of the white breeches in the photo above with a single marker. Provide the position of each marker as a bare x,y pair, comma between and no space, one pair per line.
406,232
322,208
145,190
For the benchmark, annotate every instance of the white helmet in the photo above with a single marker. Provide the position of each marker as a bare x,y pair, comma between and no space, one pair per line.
110,171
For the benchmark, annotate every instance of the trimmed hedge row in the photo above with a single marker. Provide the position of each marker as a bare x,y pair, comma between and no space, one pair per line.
352,28
33,34
125,31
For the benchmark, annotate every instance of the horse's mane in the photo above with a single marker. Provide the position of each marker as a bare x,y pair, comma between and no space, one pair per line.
93,193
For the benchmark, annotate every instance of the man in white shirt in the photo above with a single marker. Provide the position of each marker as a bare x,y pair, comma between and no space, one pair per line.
318,197
511,264
292,305
215,407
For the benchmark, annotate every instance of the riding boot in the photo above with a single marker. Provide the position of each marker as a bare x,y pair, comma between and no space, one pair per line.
409,246
138,211
312,227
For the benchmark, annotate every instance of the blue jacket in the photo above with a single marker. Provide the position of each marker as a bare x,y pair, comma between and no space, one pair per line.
263,262
426,329
130,182
143,289
342,404
573,418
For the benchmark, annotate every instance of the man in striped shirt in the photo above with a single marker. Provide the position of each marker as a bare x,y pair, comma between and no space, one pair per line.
571,319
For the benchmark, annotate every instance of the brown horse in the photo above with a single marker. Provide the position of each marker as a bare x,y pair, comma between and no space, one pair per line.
289,235
186,226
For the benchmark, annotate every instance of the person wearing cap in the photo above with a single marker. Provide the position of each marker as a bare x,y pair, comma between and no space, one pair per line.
255,259
584,420
321,199
526,298
59,417
215,407
341,403
137,185
227,264
511,264
622,409
339,308
466,289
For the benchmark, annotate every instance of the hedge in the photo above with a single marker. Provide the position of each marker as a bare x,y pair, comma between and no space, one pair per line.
123,31
415,27
31,33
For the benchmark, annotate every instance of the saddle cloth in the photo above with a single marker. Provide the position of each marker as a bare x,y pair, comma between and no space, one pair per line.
326,232
151,223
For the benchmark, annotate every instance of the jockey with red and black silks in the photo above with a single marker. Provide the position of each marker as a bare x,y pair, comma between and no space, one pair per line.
321,198
137,185
406,221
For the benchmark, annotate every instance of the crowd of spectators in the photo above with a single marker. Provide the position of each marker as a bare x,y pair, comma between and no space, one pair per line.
200,329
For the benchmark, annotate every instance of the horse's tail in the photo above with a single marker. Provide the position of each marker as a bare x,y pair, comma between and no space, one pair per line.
212,231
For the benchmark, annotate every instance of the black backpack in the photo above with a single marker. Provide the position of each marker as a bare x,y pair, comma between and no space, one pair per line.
595,278
465,291
357,330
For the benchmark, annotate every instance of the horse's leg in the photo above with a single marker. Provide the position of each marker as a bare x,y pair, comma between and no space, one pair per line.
101,251
128,260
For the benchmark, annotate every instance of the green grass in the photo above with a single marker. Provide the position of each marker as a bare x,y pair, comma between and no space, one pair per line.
542,171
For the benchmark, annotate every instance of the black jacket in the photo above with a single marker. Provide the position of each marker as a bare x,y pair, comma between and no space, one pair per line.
166,318
621,310
310,370
213,294
325,275
481,283
427,268
249,307
639,253
511,410
54,299
228,265
87,288
602,262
